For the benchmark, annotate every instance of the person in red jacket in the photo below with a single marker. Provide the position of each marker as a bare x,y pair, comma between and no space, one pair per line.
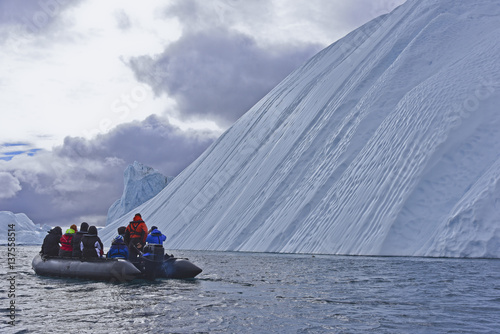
135,236
66,247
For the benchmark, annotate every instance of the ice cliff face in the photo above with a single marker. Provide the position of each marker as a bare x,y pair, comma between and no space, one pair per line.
141,184
385,143
26,232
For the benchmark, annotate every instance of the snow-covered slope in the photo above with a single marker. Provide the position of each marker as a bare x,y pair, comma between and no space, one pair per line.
387,142
141,183
26,232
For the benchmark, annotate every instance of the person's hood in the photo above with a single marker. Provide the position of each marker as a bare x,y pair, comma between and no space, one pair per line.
84,227
92,230
56,230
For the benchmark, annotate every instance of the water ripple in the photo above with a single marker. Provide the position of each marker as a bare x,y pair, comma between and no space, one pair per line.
281,293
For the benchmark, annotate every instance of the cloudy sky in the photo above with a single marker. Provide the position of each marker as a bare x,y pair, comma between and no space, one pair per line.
87,87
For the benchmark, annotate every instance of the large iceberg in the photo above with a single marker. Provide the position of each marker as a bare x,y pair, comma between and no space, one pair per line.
25,231
141,183
385,143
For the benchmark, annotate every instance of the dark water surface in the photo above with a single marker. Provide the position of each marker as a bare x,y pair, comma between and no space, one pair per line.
264,293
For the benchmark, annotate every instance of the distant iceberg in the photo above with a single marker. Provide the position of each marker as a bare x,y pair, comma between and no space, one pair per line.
141,183
26,232
385,143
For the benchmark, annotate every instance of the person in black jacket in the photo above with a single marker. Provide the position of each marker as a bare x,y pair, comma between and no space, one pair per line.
91,245
77,238
50,246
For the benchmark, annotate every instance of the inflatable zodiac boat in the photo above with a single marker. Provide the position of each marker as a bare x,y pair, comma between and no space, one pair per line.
150,266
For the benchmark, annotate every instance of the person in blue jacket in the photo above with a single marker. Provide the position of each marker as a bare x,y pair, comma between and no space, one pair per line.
155,236
118,249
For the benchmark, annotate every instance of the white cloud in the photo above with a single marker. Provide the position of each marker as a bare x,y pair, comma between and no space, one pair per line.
9,185
66,81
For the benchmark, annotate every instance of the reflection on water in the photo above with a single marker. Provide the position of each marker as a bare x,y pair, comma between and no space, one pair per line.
264,293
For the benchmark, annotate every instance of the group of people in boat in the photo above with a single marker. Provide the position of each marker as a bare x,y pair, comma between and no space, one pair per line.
85,243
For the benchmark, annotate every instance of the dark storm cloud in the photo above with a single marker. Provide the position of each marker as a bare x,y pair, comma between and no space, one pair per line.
14,11
82,178
214,71
153,142
218,74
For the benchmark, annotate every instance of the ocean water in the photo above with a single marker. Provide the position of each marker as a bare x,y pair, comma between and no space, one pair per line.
263,293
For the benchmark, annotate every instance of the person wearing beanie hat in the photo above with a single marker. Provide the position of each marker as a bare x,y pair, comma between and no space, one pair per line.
155,236
66,249
50,246
135,236
118,247
91,245
77,238
73,227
